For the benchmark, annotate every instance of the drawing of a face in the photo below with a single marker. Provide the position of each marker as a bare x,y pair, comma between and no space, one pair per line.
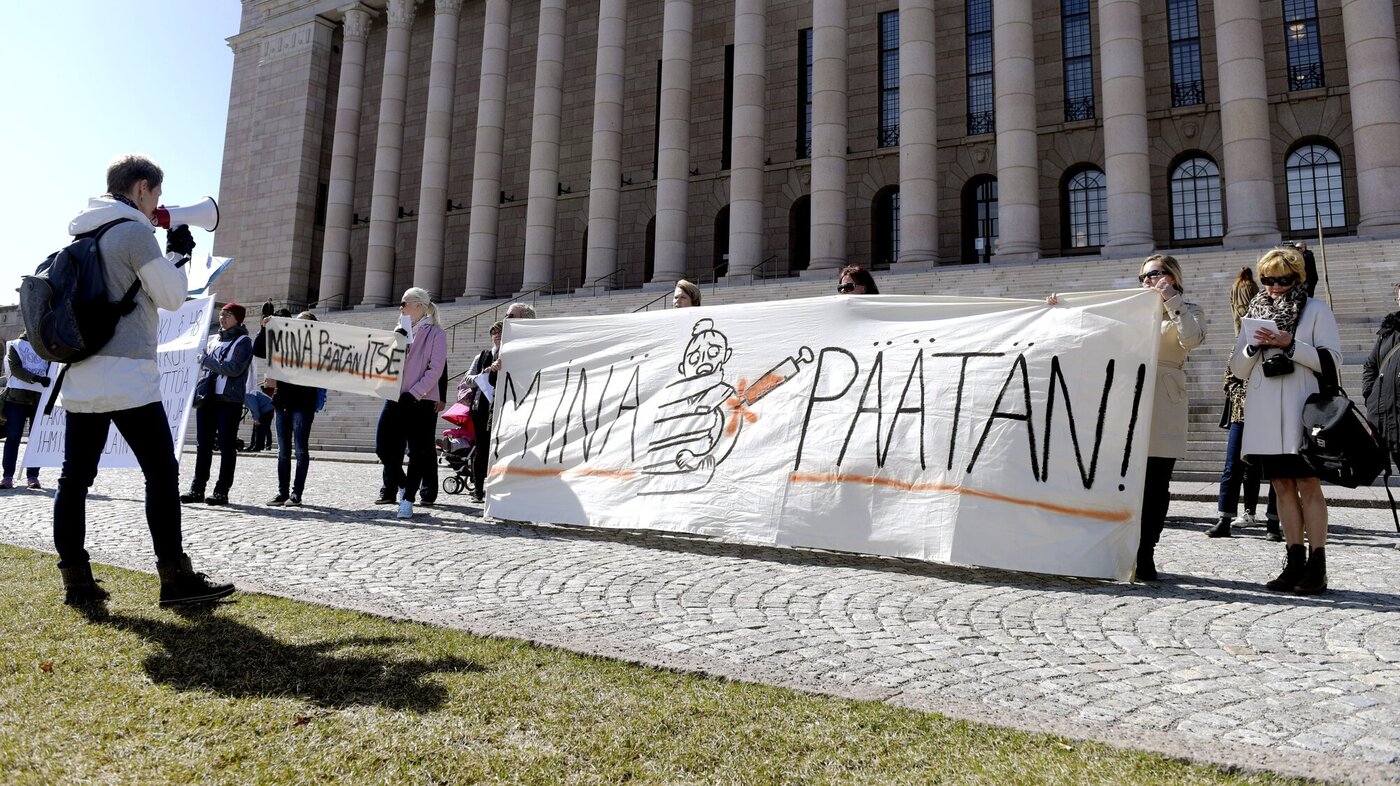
706,354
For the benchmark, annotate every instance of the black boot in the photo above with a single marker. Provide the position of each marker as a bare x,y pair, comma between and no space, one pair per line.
1221,528
1272,531
1314,574
1292,569
180,584
1146,568
80,588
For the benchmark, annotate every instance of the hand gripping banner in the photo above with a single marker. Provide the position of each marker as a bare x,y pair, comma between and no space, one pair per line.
1002,433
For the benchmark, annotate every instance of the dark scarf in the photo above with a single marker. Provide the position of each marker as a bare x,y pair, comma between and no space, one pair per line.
125,201
1284,311
1390,324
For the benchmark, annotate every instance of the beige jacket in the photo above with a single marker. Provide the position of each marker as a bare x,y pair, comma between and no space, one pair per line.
1183,328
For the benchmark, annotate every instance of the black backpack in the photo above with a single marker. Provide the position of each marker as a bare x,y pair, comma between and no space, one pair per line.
64,304
1340,444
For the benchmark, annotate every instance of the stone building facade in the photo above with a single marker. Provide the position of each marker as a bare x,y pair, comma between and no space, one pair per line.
496,146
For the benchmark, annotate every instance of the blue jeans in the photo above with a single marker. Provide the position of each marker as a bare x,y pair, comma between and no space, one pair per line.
1237,473
293,430
147,430
15,417
216,422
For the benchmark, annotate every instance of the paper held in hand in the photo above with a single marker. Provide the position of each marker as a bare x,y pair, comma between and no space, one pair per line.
1251,325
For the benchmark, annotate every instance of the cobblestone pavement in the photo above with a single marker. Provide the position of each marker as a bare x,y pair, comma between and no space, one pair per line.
1207,664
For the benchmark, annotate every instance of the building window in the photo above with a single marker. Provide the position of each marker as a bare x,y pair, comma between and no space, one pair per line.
889,79
981,97
884,228
1315,188
1184,30
804,93
800,235
726,151
979,219
1196,200
721,257
656,127
1086,211
1300,29
1079,60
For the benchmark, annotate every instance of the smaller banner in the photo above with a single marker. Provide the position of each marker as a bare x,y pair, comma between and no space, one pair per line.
181,338
347,358
203,270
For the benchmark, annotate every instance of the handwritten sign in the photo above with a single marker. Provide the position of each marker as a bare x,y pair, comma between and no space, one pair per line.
336,357
181,336
1004,433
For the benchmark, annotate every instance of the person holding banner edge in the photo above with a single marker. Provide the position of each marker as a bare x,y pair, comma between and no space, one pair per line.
294,407
1182,329
219,402
27,378
411,420
1302,329
120,385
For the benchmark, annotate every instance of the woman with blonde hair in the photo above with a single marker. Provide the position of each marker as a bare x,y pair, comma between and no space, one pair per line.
411,420
1279,363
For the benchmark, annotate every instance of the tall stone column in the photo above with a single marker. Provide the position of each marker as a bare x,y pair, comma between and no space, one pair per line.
1244,125
437,142
490,142
1018,159
828,134
1125,128
605,177
673,137
918,135
388,157
542,208
1373,69
345,148
746,150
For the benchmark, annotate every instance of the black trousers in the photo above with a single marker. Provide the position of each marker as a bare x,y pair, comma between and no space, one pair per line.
1156,496
147,430
216,423
411,426
481,458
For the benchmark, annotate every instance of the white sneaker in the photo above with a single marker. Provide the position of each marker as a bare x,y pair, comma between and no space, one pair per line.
405,509
1245,520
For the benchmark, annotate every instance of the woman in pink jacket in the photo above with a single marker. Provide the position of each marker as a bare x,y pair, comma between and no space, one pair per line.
411,421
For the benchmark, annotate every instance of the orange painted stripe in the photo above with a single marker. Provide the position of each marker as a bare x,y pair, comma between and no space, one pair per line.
286,362
1100,515
547,472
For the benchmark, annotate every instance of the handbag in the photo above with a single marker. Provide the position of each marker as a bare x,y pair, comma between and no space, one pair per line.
202,390
1339,443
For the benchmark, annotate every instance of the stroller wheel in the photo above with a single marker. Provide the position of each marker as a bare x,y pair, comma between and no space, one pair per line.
452,484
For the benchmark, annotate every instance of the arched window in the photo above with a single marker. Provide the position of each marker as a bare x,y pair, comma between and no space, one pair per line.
884,228
1315,188
1086,212
800,235
1196,200
979,219
721,261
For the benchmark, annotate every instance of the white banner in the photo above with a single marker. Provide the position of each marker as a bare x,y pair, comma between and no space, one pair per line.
203,269
348,358
1004,433
181,338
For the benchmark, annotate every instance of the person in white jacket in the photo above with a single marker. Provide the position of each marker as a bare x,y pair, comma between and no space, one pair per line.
120,385
1280,363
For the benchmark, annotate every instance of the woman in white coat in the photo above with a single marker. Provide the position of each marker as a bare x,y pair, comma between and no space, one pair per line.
1279,364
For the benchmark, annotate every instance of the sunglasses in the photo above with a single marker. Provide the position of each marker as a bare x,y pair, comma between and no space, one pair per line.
1152,275
1279,281
403,304
845,288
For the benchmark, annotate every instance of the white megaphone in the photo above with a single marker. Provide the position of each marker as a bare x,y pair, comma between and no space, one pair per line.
203,214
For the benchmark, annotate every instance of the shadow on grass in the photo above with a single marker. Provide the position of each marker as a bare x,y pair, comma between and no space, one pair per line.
209,652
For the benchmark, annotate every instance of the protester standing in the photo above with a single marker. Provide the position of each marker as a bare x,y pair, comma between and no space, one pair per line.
687,295
28,375
259,406
219,400
411,420
1378,381
1279,365
856,280
120,385
486,362
294,407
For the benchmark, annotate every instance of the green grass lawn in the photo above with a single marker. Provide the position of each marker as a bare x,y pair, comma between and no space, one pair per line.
266,690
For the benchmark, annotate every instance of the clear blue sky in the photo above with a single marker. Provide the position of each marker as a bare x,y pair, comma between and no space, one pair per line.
86,80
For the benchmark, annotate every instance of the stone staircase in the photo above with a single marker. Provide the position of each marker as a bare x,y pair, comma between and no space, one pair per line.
1360,271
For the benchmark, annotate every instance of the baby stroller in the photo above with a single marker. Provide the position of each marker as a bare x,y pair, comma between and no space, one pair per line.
456,448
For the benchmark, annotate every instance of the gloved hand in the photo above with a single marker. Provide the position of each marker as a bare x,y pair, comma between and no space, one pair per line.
179,240
407,399
43,381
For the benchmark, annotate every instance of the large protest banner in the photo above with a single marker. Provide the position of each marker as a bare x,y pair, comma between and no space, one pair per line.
1003,433
348,358
181,338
